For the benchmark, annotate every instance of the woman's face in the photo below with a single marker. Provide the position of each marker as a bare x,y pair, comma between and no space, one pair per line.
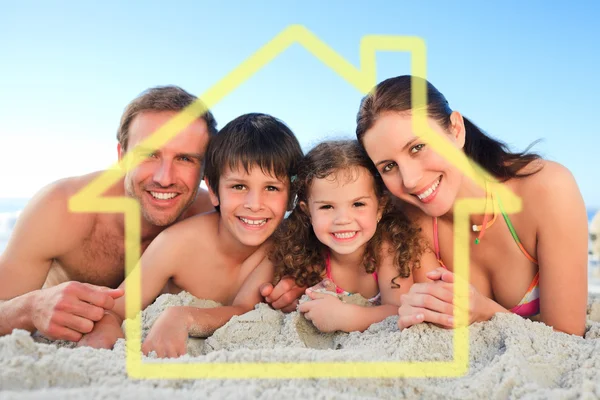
410,168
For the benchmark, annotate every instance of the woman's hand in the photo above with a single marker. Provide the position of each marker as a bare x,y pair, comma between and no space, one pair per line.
480,308
427,302
327,312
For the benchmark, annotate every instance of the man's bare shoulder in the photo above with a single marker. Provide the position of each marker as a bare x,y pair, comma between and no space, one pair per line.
47,229
54,198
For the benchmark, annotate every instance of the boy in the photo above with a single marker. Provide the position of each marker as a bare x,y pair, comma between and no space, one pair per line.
221,255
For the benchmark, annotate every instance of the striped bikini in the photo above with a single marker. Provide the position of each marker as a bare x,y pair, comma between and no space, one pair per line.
530,303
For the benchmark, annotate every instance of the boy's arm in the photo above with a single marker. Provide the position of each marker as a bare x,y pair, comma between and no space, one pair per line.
168,336
45,230
159,262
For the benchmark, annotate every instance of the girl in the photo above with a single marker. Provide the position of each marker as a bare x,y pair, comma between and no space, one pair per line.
346,232
533,262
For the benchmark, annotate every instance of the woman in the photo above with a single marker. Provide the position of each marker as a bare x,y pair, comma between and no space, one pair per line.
533,263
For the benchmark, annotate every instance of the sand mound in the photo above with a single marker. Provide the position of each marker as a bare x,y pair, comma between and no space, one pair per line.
509,357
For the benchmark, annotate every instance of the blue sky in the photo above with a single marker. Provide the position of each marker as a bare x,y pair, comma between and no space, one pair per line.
520,70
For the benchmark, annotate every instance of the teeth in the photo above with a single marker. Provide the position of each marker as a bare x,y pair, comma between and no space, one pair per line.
255,222
345,235
428,192
163,196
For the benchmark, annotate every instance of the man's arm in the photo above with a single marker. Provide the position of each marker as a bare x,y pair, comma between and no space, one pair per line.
44,231
168,252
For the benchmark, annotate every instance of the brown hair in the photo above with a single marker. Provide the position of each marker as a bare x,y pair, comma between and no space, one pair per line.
253,139
160,98
394,94
296,250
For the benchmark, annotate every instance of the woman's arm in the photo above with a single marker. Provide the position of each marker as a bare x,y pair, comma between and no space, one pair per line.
562,238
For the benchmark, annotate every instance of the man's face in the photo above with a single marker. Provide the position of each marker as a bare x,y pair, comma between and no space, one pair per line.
165,183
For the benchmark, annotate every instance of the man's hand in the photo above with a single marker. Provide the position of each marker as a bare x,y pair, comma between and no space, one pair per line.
168,336
284,296
69,310
105,333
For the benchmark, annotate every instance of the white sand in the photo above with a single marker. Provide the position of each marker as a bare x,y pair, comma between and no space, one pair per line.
509,358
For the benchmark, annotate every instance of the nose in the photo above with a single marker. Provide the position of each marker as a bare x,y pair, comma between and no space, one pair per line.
411,174
253,201
164,175
342,216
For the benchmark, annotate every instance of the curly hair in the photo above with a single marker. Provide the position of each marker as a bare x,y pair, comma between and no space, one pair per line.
298,253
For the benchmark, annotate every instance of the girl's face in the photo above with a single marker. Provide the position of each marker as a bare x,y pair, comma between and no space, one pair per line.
344,209
411,170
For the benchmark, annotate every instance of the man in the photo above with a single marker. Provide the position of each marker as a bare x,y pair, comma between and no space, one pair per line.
58,268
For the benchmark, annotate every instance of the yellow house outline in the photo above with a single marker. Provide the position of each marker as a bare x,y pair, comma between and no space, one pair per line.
90,199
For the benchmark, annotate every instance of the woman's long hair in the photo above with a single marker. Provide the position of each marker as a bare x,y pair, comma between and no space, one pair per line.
395,94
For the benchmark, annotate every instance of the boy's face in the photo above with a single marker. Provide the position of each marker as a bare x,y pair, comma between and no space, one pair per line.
252,204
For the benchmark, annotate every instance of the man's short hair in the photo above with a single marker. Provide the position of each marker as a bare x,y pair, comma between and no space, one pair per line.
253,140
156,99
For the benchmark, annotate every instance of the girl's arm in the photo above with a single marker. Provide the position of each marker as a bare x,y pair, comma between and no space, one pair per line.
329,314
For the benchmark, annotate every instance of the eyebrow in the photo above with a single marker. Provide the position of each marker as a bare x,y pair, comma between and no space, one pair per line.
197,156
403,148
244,180
352,201
142,149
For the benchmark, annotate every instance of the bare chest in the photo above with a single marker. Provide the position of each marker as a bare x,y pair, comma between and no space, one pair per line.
98,260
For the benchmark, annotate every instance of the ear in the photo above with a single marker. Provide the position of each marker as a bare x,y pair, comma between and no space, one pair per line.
457,129
214,198
304,208
120,152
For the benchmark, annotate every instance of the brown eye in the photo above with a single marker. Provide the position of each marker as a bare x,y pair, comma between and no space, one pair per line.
417,148
388,167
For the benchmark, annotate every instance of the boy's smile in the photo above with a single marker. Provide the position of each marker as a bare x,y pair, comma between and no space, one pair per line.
252,204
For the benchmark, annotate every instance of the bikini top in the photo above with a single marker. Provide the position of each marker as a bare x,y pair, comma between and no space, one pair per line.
376,300
530,303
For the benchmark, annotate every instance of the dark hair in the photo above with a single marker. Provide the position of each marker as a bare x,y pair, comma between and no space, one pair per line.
160,98
249,140
296,250
394,94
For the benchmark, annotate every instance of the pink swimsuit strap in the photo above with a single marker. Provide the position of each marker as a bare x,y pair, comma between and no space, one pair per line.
338,289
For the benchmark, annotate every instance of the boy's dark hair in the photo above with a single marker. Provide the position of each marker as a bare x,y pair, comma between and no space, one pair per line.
253,140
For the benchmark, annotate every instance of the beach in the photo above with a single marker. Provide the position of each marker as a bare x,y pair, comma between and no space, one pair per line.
510,357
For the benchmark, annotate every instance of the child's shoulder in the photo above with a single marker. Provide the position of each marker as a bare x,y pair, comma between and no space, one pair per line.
204,225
